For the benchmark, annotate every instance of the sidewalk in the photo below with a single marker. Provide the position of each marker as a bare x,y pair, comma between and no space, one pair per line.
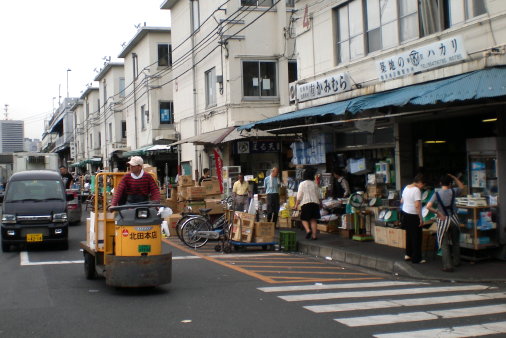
390,260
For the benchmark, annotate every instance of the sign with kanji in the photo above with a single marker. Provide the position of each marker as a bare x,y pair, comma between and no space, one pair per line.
423,58
330,85
257,146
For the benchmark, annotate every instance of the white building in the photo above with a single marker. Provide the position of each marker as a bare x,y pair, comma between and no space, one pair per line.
112,121
231,65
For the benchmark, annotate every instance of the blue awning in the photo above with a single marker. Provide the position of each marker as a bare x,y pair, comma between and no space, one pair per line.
475,85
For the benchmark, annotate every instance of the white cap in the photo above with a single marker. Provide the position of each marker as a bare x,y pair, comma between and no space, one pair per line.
136,160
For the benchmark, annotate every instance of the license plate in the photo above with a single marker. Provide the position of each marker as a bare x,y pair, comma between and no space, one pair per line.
144,248
34,237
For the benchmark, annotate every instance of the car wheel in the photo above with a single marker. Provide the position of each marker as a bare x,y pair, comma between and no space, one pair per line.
89,266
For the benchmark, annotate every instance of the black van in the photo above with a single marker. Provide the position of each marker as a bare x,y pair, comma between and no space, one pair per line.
34,209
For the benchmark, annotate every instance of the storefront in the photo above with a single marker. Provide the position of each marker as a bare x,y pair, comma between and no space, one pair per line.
431,128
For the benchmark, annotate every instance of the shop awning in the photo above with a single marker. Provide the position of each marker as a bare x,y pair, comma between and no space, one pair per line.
77,164
159,148
136,152
213,137
92,160
487,83
238,135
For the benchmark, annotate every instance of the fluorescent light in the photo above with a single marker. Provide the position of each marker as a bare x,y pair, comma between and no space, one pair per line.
490,120
435,141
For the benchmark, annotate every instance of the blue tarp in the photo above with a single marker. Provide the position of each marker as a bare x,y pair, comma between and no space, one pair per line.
469,86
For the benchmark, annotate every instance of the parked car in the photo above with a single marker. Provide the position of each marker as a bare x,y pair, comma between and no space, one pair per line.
74,207
34,210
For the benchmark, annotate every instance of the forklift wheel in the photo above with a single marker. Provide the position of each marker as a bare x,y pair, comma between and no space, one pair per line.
264,247
89,266
217,248
227,249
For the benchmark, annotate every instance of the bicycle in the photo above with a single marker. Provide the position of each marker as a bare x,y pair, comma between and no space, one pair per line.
195,230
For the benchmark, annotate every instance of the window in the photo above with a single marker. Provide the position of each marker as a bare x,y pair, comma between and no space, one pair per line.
110,132
350,32
195,15
365,26
259,78
99,139
121,87
98,105
144,114
87,109
166,112
164,55
123,129
91,141
408,19
210,76
135,65
292,71
260,3
462,10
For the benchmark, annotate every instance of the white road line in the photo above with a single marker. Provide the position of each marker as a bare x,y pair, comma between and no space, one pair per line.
25,261
404,302
379,293
335,286
422,315
453,332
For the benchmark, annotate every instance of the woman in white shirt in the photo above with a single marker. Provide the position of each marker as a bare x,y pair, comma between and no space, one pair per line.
308,197
412,219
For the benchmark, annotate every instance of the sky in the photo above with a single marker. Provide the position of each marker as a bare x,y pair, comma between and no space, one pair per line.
40,40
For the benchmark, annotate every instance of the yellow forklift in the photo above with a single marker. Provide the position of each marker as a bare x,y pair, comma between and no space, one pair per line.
125,247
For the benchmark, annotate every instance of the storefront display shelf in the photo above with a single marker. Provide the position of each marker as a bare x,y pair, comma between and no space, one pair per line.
478,232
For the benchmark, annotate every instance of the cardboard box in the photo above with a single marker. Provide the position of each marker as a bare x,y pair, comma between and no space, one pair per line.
245,215
380,235
172,222
195,193
215,206
285,222
396,237
196,205
246,228
329,227
212,187
171,204
214,197
264,229
185,181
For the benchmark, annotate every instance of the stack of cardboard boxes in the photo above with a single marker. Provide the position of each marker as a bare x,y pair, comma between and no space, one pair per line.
246,230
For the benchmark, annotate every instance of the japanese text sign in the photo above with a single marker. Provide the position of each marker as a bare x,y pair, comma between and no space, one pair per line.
330,85
423,58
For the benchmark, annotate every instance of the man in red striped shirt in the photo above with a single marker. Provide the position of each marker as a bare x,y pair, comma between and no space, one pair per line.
137,186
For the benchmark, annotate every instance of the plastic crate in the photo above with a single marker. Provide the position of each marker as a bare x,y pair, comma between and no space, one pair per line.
287,240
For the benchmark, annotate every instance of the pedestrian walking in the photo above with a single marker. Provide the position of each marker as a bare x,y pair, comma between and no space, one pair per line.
448,232
412,220
308,197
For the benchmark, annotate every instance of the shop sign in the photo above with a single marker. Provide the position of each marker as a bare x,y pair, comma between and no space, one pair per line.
436,54
252,147
330,85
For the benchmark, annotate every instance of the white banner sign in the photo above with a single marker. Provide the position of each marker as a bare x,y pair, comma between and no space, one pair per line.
324,87
423,58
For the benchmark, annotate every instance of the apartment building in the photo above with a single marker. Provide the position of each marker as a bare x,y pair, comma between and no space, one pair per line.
148,98
11,135
112,120
231,65
88,130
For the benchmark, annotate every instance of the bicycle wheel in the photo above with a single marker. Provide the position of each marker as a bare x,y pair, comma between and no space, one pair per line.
190,232
180,224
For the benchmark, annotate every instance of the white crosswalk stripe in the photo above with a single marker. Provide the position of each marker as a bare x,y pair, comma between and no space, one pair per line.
383,304
400,301
454,332
378,293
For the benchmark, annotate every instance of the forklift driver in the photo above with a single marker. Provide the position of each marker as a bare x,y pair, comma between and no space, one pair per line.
137,186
